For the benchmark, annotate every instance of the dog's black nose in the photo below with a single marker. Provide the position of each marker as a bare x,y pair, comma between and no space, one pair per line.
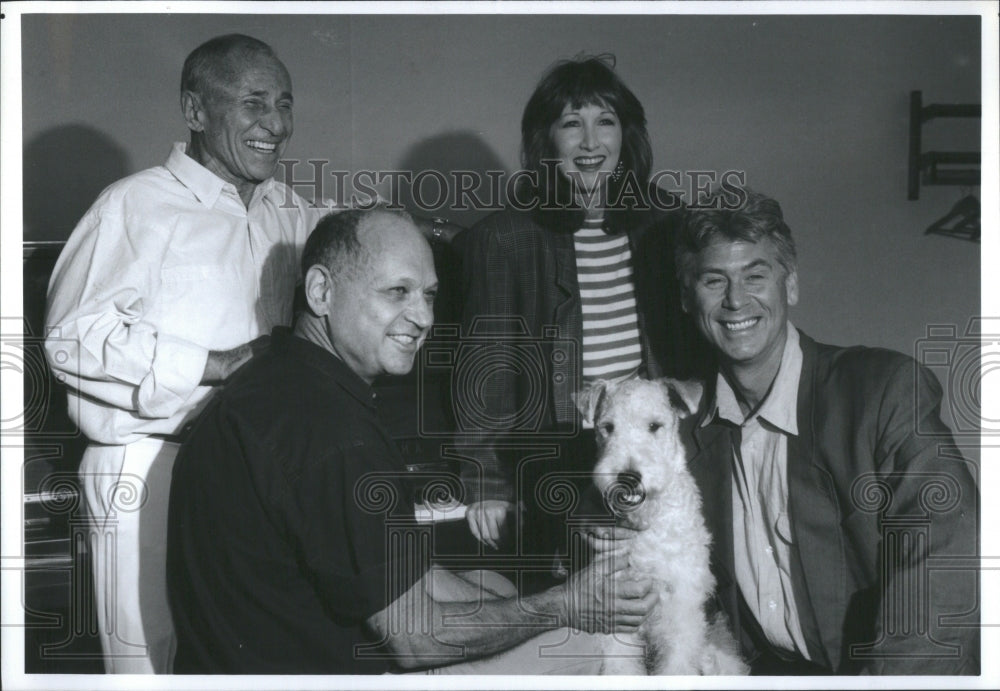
630,480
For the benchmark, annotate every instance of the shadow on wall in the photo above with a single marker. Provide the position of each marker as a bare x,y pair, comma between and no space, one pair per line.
279,286
65,168
456,160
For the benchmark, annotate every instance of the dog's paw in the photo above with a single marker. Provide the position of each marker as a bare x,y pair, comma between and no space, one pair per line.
720,662
720,657
721,654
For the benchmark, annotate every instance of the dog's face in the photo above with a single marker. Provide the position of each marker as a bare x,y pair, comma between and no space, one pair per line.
637,424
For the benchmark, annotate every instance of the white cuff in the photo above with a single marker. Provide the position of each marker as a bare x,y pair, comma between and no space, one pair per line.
176,371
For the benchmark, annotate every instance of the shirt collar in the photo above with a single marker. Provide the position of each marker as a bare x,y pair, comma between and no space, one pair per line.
781,405
262,190
203,183
326,362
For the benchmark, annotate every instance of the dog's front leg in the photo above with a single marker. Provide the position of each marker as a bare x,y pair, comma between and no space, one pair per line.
624,653
680,637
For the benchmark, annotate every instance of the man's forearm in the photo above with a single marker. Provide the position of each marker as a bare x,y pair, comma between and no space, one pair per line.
480,628
423,628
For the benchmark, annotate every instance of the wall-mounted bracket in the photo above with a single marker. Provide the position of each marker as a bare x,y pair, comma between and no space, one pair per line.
937,167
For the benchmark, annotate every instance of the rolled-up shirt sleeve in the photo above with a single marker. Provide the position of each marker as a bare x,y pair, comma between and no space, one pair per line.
98,340
167,265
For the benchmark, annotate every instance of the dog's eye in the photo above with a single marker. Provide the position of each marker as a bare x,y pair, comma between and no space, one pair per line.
607,428
654,426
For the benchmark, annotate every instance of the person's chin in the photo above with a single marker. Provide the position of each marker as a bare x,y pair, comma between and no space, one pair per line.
584,190
743,353
262,165
400,367
260,173
735,349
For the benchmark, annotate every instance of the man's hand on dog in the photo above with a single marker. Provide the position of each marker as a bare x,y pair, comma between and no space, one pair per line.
605,597
610,540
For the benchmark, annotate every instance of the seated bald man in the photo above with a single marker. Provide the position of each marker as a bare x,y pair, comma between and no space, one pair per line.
277,554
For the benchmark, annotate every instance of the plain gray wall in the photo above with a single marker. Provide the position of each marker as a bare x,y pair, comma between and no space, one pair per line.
814,109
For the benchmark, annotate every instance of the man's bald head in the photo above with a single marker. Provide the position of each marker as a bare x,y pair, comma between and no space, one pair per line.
337,244
369,283
220,60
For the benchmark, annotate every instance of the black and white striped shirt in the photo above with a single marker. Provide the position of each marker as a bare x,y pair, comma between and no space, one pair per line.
611,348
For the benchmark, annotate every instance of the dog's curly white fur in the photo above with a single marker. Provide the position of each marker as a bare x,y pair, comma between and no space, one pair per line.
642,472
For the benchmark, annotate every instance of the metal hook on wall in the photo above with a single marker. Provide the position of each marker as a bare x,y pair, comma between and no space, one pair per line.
962,221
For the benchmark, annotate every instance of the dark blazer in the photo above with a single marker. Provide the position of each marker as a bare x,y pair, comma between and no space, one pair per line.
520,278
862,480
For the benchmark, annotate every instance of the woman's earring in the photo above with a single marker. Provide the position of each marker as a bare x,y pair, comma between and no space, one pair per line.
619,170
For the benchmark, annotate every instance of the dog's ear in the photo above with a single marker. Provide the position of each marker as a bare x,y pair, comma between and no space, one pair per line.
685,395
589,398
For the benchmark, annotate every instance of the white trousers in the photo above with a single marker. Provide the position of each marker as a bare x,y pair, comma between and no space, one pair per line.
127,490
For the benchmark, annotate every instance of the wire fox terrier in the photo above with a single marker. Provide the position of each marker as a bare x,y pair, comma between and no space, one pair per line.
642,473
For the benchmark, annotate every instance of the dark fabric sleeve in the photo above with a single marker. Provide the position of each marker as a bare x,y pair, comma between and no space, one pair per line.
930,488
489,283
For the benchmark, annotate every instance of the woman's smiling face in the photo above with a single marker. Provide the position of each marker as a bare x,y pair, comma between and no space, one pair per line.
588,143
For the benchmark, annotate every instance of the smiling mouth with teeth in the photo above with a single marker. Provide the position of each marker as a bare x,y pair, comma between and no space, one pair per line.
404,339
589,161
263,147
741,325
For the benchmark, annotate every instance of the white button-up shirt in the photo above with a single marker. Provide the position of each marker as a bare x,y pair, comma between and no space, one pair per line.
762,539
167,265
